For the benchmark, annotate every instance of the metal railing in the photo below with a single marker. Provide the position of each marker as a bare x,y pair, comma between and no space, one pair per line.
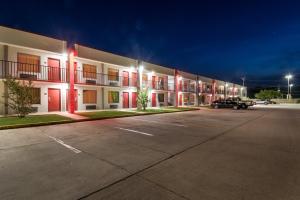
89,78
158,85
26,71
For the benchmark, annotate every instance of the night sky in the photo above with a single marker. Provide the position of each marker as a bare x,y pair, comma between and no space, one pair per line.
221,39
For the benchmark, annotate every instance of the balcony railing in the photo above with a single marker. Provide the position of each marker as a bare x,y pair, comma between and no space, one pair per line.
101,79
188,89
158,85
34,72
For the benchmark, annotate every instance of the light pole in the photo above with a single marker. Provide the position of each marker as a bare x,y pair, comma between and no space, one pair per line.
291,85
243,79
288,77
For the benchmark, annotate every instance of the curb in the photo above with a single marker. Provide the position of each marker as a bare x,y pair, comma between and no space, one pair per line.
83,120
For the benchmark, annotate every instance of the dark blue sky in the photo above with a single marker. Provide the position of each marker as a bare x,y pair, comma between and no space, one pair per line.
223,39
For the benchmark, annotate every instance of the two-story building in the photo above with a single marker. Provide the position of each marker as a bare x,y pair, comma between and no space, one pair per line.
84,78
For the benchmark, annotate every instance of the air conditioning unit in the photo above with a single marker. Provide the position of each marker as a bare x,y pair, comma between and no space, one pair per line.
113,83
90,82
113,106
34,109
90,107
28,76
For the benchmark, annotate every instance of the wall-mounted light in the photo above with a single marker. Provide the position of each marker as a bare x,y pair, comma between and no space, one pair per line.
132,68
65,56
151,73
141,67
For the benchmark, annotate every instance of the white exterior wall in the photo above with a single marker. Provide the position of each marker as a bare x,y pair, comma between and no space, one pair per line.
1,97
44,55
1,51
43,107
120,90
102,91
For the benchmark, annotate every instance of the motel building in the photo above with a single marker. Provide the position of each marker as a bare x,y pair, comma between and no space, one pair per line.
82,78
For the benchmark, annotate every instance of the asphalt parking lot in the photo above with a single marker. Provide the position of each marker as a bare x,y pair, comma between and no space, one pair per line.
205,154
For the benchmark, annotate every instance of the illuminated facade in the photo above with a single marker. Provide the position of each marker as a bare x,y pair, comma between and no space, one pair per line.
82,78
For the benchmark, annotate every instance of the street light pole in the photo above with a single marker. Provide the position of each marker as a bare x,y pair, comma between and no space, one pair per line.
291,85
288,77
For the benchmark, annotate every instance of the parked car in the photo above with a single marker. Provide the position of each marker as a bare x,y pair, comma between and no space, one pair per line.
265,102
222,104
244,103
229,103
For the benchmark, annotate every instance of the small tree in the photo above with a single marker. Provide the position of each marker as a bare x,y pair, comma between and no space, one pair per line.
267,94
20,96
143,99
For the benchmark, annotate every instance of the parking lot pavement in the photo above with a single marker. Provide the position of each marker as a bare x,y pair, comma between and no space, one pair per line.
206,154
282,106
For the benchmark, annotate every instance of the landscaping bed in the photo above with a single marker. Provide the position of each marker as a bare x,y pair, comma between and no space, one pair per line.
32,120
116,113
107,114
51,119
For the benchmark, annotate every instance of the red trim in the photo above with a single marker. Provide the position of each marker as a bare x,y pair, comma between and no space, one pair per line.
71,82
176,87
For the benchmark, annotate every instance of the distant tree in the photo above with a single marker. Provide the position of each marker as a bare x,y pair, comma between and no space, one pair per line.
20,96
267,94
143,99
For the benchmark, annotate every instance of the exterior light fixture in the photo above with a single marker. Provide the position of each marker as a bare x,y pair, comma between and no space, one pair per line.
65,56
131,68
141,68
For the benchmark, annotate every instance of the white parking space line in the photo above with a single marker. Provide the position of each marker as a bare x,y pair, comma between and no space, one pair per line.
134,131
65,145
158,122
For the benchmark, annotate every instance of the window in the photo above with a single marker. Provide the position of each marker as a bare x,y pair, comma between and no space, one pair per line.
89,96
113,74
28,63
36,95
145,77
89,71
161,97
113,97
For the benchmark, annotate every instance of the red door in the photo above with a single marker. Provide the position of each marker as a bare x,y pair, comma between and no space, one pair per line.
53,69
153,82
153,99
53,99
134,79
125,78
180,85
134,99
76,99
125,100
180,99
